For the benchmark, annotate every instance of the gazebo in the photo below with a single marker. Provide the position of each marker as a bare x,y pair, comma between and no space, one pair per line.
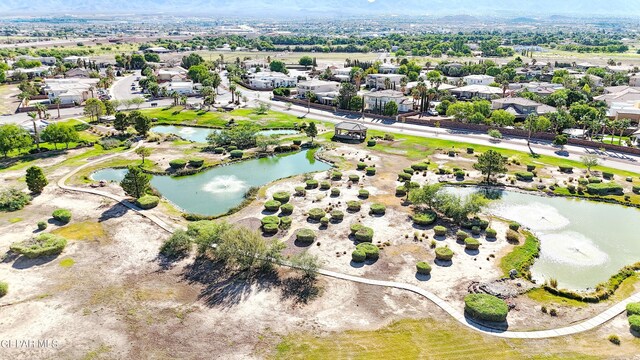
350,131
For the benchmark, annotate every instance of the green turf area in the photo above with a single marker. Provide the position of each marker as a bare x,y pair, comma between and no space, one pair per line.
522,256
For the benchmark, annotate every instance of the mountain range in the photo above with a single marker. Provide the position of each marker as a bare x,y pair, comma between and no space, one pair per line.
301,8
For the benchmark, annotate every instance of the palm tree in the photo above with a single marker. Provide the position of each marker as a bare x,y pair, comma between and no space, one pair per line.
238,95
624,124
57,101
33,116
41,110
183,100
415,94
505,87
232,89
357,78
308,94
387,83
175,96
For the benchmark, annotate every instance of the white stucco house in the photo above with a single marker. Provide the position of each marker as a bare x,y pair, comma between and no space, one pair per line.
478,79
69,91
378,99
270,80
377,81
316,86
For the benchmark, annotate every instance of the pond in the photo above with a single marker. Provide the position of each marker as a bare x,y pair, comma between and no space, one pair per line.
221,188
582,243
198,134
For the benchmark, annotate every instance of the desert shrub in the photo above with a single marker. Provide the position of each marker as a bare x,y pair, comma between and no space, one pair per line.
440,230
378,209
109,143
335,192
371,251
485,307
583,181
354,178
178,245
42,225
282,196
364,234
41,245
272,205
218,150
324,220
571,188
271,219
196,162
306,236
316,214
401,191
270,228
285,222
358,256
475,222
404,176
470,150
337,216
491,233
4,288
614,339
353,205
475,230
286,209
388,137
422,166
236,154
458,174
424,218
636,189
364,194
524,176
178,163
634,322
513,236
604,189
62,215
13,199
361,166
471,243
531,167
633,308
325,185
371,171
297,142
300,191
514,225
336,175
423,268
354,228
312,183
232,148
147,202
408,170
444,253
607,175
371,142
594,180
461,235
566,169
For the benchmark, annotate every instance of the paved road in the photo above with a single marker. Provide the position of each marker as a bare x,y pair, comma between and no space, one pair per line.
121,88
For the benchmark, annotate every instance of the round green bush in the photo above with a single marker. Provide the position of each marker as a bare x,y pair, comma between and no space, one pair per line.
633,308
514,226
335,192
285,222
236,154
378,209
408,171
354,178
371,171
471,244
336,175
286,209
297,142
485,307
147,202
371,251
324,220
282,196
316,214
461,235
364,234
524,175
440,230
42,225
300,191
312,184
271,219
42,245
401,191
178,245
420,166
337,216
325,185
636,189
363,194
475,230
353,206
423,268
444,253
218,150
513,236
196,162
62,215
371,142
404,177
306,236
272,205
270,228
531,167
178,163
424,218
361,166
634,322
458,174
491,233
232,147
583,181
4,288
358,256
354,228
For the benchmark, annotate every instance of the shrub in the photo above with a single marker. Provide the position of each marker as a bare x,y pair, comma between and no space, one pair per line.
312,184
361,166
271,219
325,185
316,214
524,176
440,230
178,163
594,180
335,192
13,199
475,230
491,233
364,194
607,175
475,221
353,206
423,268
196,162
337,216
636,189
614,339
371,142
459,174
364,234
634,322
371,251
408,170
300,191
444,253
471,243
583,181
306,236
461,235
41,245
566,169
272,205
470,150
147,202
286,209
178,245
270,228
514,226
4,288
371,171
358,256
236,154
401,191
633,309
513,236
485,307
232,147
531,167
604,189
354,178
42,225
218,150
324,221
378,209
282,197
404,176
297,142
424,218
285,222
354,228
422,166
336,175
62,215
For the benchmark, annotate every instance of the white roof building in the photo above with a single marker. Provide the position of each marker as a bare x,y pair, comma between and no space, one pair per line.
479,79
70,91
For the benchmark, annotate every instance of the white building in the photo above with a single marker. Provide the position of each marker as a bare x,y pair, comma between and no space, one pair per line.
342,74
316,86
70,91
270,80
181,87
388,69
378,99
479,91
157,50
44,60
478,79
171,74
74,59
377,81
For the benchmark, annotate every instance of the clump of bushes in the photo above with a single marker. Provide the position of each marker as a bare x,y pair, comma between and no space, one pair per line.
358,256
270,228
13,199
423,268
634,322
42,225
371,171
178,163
471,244
337,216
401,191
371,142
459,174
271,219
285,222
424,218
353,206
62,215
306,236
490,233
594,180
583,181
409,171
514,226
325,185
524,175
282,197
370,252
604,189
354,228
364,234
178,245
41,245
354,178
475,230
336,175
607,175
361,166
485,307
324,221
461,235
335,192
363,194
444,253
236,154
636,189
614,339
440,230
633,309
316,214
422,166
147,202
378,209
566,169
404,176
312,183
286,209
4,288
196,162
218,150
272,205
530,167
300,191
513,236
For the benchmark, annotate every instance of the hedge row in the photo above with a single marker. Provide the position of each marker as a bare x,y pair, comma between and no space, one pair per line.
486,307
41,245
147,202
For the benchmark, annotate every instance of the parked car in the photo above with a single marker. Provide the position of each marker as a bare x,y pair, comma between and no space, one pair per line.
431,112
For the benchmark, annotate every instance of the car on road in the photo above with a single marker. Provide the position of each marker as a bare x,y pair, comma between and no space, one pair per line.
431,112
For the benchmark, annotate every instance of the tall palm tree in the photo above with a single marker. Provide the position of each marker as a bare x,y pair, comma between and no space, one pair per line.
238,95
357,78
387,83
232,89
183,100
175,96
624,124
41,110
33,116
57,101
308,94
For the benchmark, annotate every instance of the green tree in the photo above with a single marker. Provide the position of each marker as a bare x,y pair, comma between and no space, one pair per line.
428,195
151,57
192,59
278,66
135,182
110,106
57,102
140,122
502,118
345,94
93,108
311,131
460,110
57,133
489,163
306,61
36,134
143,152
36,181
391,108
590,161
198,73
533,124
13,137
121,121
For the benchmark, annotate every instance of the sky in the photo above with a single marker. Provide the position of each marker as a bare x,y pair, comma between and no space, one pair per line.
301,8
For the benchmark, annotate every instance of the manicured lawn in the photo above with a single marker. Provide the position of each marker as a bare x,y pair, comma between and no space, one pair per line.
544,297
522,256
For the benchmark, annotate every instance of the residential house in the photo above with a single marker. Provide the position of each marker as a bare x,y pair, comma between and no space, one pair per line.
521,107
595,80
181,87
77,73
70,91
171,74
480,91
44,60
378,99
74,59
479,79
388,68
315,87
620,68
538,88
623,101
267,80
37,71
377,81
342,74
